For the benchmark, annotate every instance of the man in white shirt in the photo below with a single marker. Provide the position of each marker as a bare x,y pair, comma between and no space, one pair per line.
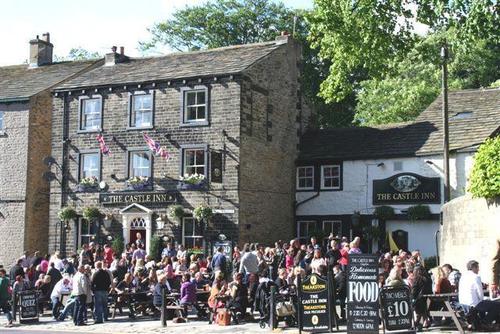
470,293
63,286
81,287
249,263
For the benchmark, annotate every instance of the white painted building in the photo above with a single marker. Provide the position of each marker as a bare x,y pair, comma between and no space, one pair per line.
337,169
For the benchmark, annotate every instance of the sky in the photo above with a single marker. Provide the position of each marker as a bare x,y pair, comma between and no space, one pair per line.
95,25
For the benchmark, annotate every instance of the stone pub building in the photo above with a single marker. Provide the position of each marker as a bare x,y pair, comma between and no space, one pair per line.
233,115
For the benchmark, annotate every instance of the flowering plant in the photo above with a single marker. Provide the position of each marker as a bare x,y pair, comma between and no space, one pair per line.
90,181
203,212
138,180
193,178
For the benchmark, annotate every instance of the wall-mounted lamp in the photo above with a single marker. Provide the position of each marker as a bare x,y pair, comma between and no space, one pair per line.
380,164
160,222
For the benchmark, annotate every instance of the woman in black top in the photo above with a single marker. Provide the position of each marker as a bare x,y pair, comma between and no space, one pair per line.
422,285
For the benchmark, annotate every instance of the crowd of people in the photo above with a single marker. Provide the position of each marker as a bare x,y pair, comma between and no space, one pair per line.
97,272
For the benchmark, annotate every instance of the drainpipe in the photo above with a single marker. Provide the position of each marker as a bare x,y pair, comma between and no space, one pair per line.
65,138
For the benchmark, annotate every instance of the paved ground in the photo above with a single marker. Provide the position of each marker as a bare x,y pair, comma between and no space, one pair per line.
123,325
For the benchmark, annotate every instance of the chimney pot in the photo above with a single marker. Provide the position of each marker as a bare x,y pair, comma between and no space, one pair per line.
41,51
113,48
46,37
122,50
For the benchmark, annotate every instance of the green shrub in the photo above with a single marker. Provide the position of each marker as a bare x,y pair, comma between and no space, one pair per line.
175,212
418,212
67,213
384,212
485,176
91,213
203,212
155,248
118,245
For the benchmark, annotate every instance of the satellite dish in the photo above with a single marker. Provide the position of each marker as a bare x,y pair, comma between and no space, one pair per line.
102,185
48,176
49,161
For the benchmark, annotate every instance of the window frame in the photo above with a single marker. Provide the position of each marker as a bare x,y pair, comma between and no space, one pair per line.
322,177
81,160
335,222
80,235
129,164
194,236
297,178
185,148
131,109
81,100
299,222
183,101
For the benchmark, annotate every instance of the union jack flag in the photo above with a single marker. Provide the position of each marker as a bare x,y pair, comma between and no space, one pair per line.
102,145
155,147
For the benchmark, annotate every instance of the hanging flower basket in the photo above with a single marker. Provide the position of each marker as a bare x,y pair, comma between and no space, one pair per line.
203,212
138,183
88,183
418,212
66,214
175,212
91,213
192,182
384,212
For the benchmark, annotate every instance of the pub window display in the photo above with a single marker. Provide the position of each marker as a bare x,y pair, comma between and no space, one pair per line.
141,111
305,178
90,113
330,177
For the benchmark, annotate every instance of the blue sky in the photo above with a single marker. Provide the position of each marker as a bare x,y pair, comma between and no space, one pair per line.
95,25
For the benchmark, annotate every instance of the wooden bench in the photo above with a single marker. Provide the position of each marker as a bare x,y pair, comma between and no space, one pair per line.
449,312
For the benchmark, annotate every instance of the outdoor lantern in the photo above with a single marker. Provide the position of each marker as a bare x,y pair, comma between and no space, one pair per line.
160,222
108,219
355,218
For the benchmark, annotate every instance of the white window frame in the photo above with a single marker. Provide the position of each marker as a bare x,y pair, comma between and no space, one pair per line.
194,236
333,222
131,162
133,112
184,106
323,177
82,126
82,164
80,235
299,230
298,178
184,160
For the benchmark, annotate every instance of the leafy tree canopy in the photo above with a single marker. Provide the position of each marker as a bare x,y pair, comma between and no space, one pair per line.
79,53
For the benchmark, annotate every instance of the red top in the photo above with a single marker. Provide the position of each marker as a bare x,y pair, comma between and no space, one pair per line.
344,252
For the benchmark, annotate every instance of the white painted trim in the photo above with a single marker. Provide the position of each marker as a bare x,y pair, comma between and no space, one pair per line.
323,179
297,178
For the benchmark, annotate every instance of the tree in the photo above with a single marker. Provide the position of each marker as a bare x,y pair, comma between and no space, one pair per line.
376,54
485,175
79,53
415,81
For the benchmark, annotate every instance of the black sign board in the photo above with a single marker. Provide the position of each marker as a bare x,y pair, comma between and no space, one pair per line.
216,167
126,198
407,188
314,304
28,305
396,308
362,294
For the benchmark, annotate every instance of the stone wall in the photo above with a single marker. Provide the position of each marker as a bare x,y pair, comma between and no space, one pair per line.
223,115
470,232
13,174
271,108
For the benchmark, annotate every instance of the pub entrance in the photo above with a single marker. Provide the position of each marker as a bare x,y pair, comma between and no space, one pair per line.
136,219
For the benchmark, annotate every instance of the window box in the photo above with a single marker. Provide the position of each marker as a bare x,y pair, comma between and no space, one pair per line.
139,183
183,185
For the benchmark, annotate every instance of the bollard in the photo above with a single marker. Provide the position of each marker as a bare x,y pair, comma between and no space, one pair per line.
272,308
163,307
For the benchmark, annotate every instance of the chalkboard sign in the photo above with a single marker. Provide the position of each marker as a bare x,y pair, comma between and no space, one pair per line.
396,308
314,304
28,305
362,294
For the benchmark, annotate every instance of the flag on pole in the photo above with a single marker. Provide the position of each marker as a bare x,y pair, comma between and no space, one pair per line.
155,147
102,145
392,244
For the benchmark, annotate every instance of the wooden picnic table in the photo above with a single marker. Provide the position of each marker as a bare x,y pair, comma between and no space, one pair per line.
449,312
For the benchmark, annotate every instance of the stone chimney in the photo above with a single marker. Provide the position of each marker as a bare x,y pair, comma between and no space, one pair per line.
113,57
41,51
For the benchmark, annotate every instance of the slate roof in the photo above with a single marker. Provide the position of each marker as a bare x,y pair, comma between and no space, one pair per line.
474,115
19,82
213,62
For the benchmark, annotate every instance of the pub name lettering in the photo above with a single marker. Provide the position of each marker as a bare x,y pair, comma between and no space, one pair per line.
406,196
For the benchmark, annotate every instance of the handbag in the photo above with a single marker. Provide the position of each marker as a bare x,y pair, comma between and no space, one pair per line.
285,309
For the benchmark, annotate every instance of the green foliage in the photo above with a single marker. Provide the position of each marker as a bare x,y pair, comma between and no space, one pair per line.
118,245
175,212
79,53
418,212
485,176
67,213
371,232
203,212
155,248
384,212
91,213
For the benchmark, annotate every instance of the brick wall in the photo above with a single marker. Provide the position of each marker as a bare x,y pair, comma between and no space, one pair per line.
13,173
271,105
224,115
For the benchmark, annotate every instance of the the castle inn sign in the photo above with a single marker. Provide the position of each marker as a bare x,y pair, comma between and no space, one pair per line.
151,198
407,188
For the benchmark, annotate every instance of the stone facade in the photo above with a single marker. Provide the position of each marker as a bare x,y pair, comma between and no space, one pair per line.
257,164
25,194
